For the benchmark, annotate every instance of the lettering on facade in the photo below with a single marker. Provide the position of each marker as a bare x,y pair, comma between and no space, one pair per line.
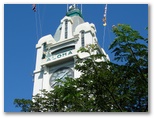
58,56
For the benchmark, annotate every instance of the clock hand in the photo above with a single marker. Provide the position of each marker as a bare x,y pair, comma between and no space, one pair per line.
60,77
63,74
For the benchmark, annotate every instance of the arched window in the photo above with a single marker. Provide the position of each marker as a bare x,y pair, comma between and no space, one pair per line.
82,38
66,28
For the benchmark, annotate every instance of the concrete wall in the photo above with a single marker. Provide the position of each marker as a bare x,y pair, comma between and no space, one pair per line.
43,70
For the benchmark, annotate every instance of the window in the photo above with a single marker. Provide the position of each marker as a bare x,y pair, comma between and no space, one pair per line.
44,50
65,49
66,28
44,46
82,38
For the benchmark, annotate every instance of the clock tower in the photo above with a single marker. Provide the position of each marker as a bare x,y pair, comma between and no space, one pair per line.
56,54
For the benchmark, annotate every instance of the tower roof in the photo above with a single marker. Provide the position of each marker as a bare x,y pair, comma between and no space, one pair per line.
77,20
75,14
74,11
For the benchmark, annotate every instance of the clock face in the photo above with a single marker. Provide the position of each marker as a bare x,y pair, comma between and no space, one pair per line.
61,73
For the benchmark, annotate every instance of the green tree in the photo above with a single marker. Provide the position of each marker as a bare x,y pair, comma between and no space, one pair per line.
131,48
103,86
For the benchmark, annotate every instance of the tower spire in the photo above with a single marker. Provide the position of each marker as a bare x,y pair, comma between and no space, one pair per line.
74,10
74,5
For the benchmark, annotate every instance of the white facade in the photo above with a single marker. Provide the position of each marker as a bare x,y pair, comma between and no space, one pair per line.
56,54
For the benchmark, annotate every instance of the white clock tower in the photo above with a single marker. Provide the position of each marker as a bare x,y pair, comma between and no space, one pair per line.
56,54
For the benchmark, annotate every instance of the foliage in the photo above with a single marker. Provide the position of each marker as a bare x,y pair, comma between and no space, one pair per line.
131,48
103,86
25,105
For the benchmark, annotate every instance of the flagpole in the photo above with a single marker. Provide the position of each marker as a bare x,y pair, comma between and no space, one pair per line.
67,7
81,8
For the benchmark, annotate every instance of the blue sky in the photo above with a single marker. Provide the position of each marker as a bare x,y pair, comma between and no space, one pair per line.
20,38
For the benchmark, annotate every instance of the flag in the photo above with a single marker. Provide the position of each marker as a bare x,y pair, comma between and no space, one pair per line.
104,18
34,7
